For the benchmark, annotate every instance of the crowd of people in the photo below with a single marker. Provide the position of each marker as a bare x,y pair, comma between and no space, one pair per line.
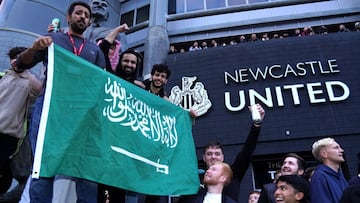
99,52
220,181
255,37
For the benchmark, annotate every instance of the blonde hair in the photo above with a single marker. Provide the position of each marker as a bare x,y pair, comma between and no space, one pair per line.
319,145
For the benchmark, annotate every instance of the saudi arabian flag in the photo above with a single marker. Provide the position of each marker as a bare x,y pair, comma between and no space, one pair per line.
101,128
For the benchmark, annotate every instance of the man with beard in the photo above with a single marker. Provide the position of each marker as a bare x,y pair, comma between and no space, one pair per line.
128,61
160,74
213,153
126,69
215,179
292,164
78,18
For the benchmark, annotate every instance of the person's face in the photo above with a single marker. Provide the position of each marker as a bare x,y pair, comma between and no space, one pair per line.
333,152
254,198
212,155
285,193
214,175
159,79
128,63
290,167
99,7
79,19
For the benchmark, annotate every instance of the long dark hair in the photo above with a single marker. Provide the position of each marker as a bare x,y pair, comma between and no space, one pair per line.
119,72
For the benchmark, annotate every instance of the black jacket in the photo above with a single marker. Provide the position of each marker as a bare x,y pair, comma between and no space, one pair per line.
199,197
267,193
241,164
351,194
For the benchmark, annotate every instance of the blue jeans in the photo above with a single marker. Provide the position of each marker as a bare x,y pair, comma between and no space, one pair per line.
35,121
41,190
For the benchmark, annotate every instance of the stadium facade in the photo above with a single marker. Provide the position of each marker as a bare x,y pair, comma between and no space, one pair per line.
300,107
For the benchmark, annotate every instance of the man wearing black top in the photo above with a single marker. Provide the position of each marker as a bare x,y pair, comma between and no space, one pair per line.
214,153
126,69
217,176
160,74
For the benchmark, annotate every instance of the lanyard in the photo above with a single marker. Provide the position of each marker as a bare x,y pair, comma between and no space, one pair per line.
76,52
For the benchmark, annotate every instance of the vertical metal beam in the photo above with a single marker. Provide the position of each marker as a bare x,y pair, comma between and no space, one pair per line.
157,40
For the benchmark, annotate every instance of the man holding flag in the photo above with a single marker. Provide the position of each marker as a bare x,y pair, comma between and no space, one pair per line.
78,18
99,128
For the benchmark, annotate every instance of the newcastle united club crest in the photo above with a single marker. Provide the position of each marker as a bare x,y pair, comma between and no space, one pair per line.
192,95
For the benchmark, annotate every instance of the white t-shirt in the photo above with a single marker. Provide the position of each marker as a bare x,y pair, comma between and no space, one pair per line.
212,198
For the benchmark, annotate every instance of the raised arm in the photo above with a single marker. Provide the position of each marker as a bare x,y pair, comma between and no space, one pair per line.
243,158
113,34
108,41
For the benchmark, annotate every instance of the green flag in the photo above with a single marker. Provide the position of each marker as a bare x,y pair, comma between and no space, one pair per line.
99,127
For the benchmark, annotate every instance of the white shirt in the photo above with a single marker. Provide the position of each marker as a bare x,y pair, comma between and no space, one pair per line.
212,198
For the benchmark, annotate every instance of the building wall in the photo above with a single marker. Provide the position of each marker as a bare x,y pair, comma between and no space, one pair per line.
247,19
295,118
15,37
28,18
305,122
34,16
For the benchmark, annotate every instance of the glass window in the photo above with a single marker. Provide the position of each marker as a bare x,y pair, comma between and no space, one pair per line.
142,14
257,1
194,5
236,2
172,7
210,4
180,6
176,6
183,6
128,18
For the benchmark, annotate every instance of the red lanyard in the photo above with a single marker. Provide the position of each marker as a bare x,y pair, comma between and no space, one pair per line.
76,52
